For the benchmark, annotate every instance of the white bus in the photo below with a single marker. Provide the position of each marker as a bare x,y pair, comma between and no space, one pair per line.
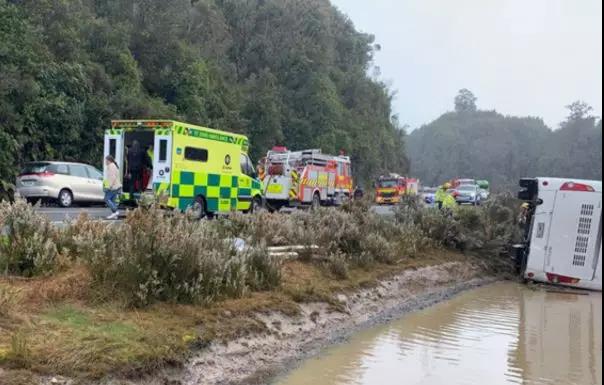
563,238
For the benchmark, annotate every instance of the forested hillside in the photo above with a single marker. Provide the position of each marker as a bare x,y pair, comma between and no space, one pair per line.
287,72
487,145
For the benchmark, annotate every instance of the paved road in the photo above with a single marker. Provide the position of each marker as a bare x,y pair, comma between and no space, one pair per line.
59,214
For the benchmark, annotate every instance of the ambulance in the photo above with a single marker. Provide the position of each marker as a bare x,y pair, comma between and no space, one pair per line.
563,234
194,168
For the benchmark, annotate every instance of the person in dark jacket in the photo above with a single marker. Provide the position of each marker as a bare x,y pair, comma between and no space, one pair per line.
138,160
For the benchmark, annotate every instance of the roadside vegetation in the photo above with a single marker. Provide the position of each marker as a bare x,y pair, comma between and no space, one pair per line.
89,299
279,71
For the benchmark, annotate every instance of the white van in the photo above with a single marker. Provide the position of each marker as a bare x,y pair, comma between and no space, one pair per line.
563,242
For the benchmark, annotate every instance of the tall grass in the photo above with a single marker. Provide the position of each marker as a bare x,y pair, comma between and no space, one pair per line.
159,256
486,231
26,247
345,238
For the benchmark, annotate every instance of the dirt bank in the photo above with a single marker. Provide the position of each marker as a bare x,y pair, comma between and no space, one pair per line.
256,359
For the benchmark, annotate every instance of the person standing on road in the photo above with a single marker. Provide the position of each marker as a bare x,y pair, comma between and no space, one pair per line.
440,195
449,203
112,186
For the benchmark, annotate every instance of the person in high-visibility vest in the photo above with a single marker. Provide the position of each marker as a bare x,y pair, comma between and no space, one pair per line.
449,202
440,195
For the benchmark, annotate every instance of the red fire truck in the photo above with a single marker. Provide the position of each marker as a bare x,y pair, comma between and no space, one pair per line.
305,178
389,189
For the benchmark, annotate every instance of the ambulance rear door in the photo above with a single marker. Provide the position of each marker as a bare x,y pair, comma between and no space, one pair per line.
114,146
162,160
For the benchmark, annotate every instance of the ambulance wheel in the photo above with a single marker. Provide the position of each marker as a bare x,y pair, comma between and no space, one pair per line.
198,210
316,202
273,207
257,205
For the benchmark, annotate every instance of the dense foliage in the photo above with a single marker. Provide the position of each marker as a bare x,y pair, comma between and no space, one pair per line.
154,257
290,72
487,145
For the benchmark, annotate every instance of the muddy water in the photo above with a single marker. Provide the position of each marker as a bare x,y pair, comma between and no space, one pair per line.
501,334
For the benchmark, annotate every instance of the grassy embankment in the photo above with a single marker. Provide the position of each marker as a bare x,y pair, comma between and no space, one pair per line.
89,299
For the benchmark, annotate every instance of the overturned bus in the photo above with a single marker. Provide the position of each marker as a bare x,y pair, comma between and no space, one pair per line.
563,232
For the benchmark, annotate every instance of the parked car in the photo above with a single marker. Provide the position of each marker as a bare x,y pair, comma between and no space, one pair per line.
465,181
468,194
484,194
61,182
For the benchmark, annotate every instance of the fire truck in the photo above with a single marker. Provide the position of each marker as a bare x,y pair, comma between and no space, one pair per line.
390,188
305,178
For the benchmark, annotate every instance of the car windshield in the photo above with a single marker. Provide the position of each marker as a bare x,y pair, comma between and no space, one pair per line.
35,168
387,183
467,188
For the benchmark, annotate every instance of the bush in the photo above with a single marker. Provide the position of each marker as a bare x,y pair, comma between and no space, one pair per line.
337,264
379,248
265,273
27,248
351,235
159,256
7,191
486,230
155,257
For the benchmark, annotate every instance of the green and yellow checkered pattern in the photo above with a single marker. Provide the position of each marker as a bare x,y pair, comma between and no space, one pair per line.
113,132
163,131
222,192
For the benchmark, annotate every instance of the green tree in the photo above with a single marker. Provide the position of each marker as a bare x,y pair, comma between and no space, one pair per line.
579,110
290,72
503,149
465,101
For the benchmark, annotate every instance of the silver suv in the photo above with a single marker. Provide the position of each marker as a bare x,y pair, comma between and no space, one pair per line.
62,182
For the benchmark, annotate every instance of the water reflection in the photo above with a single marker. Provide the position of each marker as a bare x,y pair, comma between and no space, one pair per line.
501,334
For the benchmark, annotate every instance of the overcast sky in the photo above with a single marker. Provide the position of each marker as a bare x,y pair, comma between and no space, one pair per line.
520,57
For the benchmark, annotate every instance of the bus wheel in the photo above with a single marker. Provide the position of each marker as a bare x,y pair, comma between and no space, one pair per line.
198,210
